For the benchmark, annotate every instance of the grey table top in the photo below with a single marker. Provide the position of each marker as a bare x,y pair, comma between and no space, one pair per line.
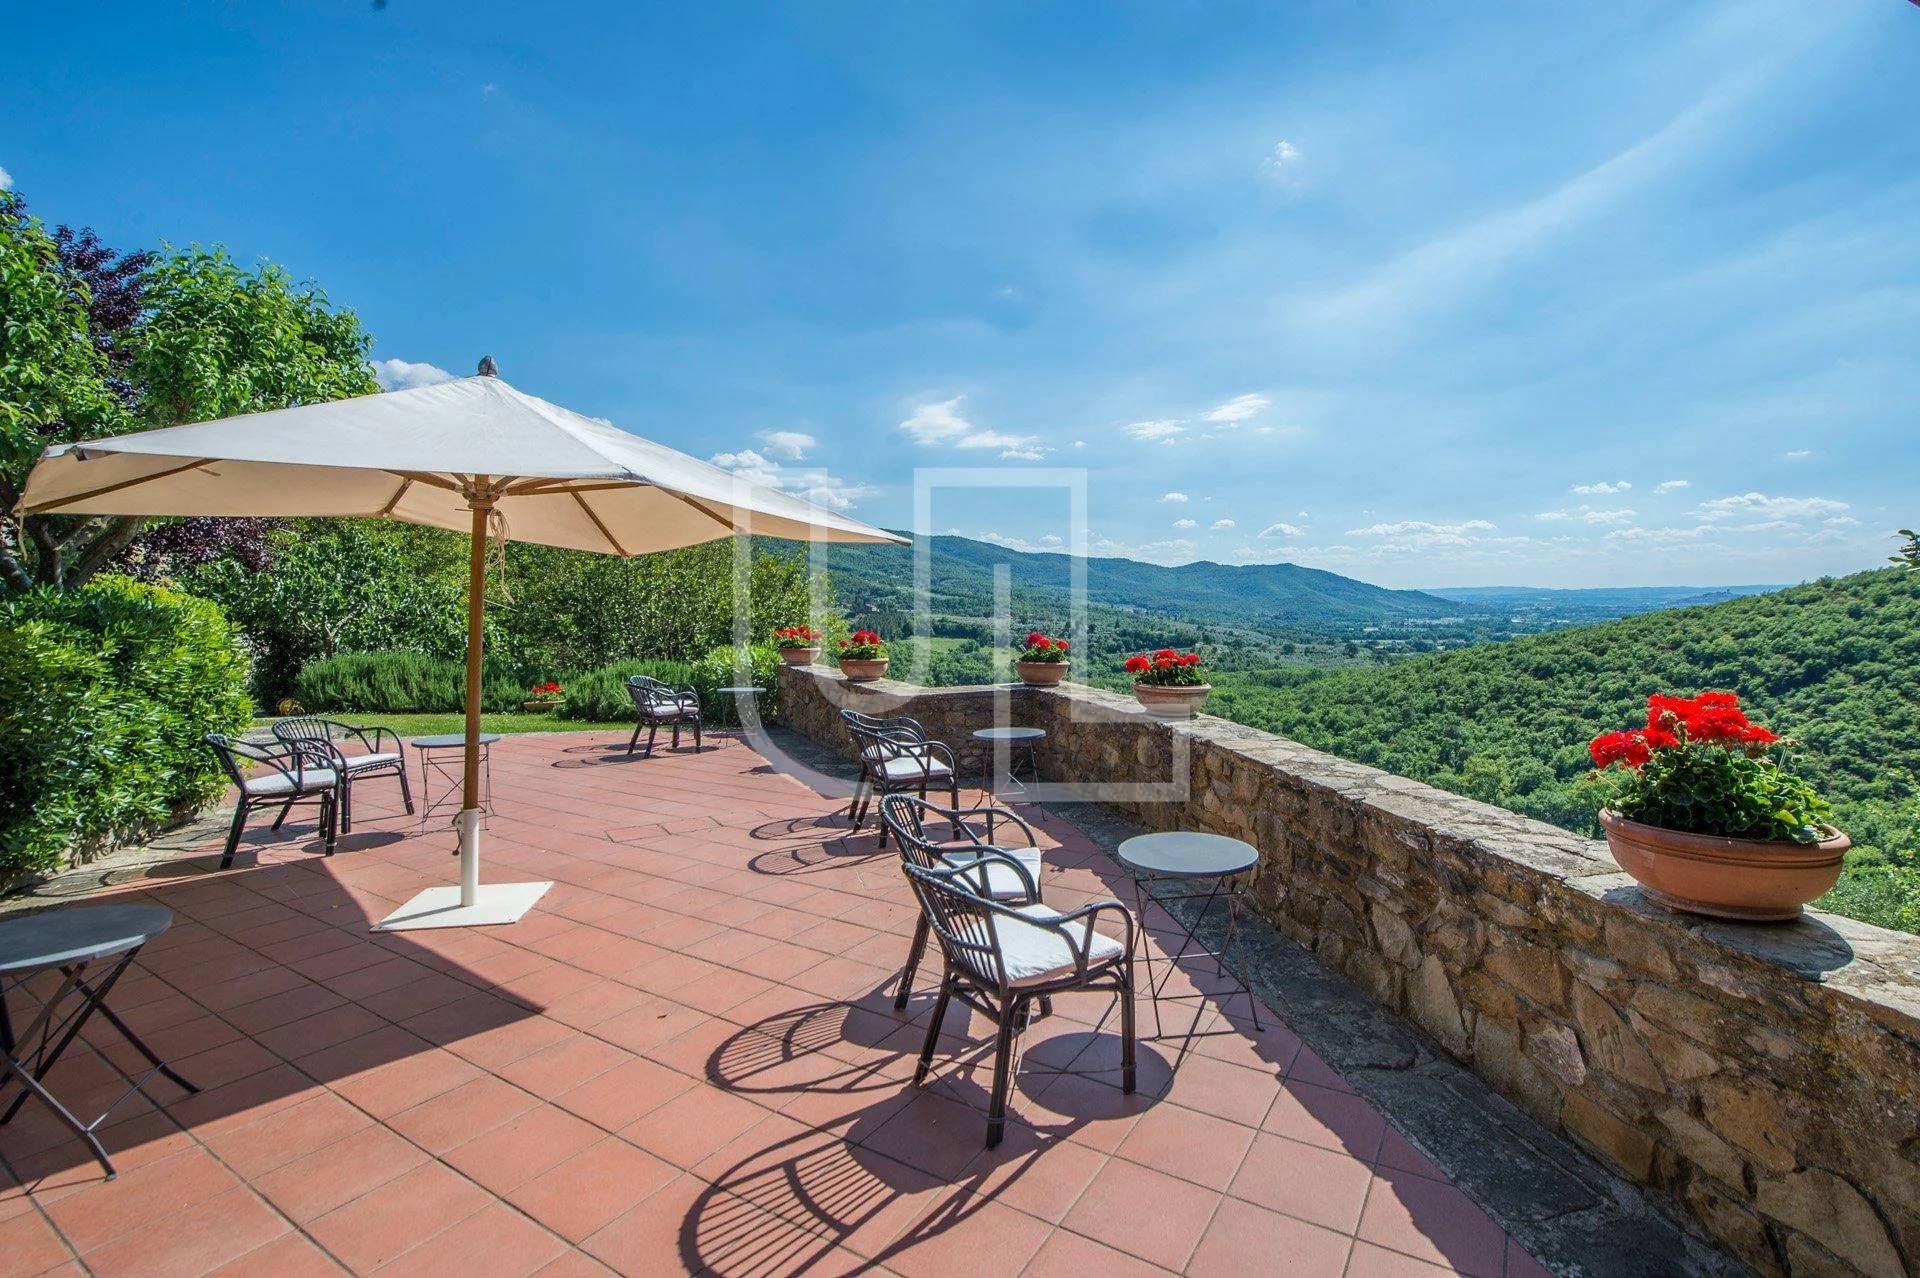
1179,855
1008,734
447,741
740,691
77,934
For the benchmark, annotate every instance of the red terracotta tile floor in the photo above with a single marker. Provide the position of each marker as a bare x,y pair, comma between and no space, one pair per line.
686,1058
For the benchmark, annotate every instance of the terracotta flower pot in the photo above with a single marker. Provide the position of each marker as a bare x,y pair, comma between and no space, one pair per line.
1757,880
1041,674
1172,701
860,671
800,656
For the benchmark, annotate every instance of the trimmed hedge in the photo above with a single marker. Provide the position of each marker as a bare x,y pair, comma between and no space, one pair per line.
399,681
105,694
730,667
601,695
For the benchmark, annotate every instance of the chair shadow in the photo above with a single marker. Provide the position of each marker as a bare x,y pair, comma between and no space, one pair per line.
799,827
799,1202
816,858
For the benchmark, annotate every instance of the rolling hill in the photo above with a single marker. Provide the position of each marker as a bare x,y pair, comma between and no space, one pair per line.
1307,600
1592,604
1835,664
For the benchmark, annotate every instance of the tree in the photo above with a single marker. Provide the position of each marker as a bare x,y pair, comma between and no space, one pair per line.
1909,552
53,386
98,344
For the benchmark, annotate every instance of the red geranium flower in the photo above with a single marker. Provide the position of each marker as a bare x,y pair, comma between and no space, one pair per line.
1135,664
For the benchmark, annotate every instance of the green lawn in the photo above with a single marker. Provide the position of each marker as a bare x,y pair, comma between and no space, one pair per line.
428,725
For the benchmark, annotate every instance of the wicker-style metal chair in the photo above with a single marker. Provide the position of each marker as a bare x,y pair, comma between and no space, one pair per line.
379,755
973,831
661,706
1002,959
896,755
290,773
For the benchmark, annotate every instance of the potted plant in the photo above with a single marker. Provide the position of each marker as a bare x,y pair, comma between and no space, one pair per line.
543,697
1168,683
1043,662
863,655
1708,820
798,645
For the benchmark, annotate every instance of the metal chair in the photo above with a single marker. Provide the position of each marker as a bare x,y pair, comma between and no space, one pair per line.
661,705
907,817
1001,959
896,755
294,773
375,760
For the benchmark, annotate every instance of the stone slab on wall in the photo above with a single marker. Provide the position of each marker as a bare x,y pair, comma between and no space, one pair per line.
1764,1078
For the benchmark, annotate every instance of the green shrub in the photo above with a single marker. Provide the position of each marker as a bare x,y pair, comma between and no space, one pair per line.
601,695
105,694
727,667
399,681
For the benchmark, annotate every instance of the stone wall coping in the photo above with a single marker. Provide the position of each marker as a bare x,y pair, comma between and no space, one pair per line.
1876,967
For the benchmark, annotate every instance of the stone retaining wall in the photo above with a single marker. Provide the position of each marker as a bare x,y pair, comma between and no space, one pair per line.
1765,1078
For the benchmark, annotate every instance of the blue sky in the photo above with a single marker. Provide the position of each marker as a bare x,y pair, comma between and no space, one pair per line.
1429,295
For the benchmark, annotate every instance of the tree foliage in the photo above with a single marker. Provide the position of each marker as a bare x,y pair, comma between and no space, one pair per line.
97,343
1835,664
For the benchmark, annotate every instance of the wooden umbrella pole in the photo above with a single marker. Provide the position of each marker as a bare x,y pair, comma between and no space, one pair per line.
480,500
481,503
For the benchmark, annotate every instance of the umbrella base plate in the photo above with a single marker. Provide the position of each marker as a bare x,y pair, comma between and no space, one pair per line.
496,903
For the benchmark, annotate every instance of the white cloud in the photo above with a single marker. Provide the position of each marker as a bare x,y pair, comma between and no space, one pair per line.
1843,521
1672,485
1601,489
1079,443
1153,430
1282,158
1797,454
1237,409
1186,523
1406,526
937,423
1761,506
812,483
1657,536
1586,514
1174,497
1220,525
6,180
788,445
941,423
1281,530
1050,540
400,374
1024,452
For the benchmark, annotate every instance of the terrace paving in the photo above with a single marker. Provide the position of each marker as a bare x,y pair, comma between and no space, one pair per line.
686,1058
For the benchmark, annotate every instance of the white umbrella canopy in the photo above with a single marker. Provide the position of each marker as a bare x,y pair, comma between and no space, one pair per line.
559,478
469,454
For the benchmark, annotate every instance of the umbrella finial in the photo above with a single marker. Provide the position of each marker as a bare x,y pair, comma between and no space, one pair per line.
488,368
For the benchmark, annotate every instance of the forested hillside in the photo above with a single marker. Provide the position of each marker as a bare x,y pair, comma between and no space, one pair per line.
1306,600
1835,664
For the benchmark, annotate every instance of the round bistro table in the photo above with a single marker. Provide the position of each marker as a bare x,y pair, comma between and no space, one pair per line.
75,942
749,692
1025,740
1189,858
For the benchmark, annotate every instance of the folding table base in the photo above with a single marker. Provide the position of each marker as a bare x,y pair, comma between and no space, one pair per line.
32,1055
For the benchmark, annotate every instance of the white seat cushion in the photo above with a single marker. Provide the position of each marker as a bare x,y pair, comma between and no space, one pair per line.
1039,955
355,762
914,769
1003,884
271,783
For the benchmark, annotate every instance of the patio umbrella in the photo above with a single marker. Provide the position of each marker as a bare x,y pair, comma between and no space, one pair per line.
472,454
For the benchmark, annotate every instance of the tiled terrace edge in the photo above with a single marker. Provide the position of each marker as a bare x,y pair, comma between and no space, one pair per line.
1765,1080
